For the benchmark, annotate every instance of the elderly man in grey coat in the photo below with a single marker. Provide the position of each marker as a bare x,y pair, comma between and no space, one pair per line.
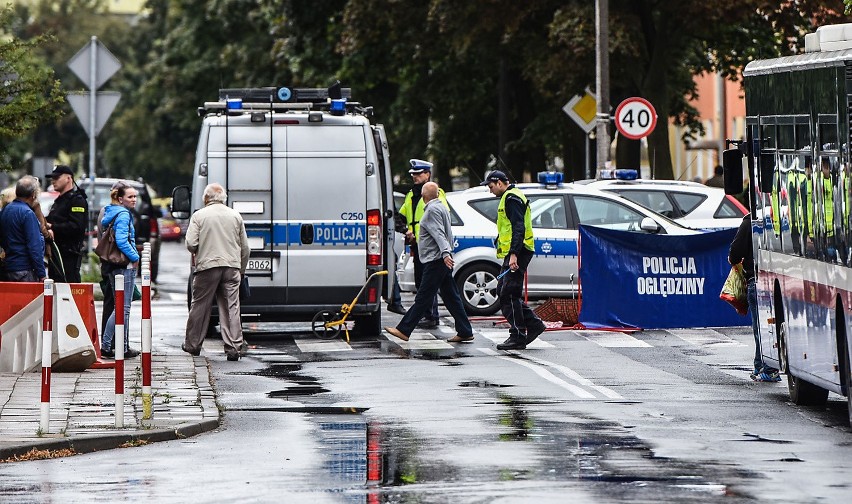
217,236
435,246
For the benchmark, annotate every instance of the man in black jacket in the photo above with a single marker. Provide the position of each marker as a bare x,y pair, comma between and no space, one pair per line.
67,223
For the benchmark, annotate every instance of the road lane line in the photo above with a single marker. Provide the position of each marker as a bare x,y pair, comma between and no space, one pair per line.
547,375
322,346
610,339
420,340
570,373
702,337
500,337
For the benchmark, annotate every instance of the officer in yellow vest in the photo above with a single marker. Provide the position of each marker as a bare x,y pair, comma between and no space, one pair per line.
829,247
516,247
412,209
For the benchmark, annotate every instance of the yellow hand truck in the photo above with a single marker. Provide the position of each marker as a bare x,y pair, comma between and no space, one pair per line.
327,325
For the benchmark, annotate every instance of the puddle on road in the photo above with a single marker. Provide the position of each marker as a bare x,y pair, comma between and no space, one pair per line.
375,461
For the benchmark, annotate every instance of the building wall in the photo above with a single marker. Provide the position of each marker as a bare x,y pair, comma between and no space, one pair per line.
698,159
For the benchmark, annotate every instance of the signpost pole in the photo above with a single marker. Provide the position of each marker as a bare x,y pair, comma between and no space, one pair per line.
602,80
93,96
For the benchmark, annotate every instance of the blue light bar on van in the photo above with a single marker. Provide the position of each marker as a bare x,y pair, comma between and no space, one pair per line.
235,104
619,174
550,179
338,107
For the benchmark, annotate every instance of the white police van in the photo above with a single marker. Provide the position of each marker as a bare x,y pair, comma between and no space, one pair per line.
311,177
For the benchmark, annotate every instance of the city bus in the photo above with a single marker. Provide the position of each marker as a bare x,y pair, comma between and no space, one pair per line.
796,153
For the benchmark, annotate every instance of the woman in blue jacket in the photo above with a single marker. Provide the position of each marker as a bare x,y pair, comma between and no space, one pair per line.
119,213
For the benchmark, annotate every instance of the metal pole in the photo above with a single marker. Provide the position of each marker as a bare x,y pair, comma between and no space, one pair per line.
118,348
602,80
93,93
589,175
46,355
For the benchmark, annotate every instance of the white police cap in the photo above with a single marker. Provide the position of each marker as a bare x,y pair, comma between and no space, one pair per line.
419,166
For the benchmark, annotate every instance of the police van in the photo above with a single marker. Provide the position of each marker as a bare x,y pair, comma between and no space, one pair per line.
311,177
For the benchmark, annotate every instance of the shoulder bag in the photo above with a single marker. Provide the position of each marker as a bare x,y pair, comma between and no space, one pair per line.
108,250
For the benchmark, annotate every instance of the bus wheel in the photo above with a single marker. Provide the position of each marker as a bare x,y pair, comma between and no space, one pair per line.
847,372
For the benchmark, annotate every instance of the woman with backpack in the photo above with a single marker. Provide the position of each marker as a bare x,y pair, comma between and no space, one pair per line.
119,216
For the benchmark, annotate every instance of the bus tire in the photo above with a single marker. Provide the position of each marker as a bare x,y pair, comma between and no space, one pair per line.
370,324
846,370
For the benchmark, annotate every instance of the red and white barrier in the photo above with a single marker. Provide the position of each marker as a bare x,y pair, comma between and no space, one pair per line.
46,355
73,349
146,334
118,347
21,326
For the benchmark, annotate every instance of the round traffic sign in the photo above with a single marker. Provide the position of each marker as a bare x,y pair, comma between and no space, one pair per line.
635,118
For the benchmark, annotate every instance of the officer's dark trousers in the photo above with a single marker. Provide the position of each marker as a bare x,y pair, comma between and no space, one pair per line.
431,314
437,277
510,290
68,271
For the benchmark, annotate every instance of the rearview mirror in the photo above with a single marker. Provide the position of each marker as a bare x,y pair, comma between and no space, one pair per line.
181,202
650,225
732,162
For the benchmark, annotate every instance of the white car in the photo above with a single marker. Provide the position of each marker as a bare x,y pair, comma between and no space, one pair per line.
691,204
557,211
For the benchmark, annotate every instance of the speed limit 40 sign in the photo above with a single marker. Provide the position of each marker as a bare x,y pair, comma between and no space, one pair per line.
635,118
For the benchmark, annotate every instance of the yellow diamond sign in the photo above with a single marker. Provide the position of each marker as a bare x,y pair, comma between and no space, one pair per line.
582,108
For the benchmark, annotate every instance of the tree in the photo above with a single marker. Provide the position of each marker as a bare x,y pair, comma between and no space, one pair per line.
29,93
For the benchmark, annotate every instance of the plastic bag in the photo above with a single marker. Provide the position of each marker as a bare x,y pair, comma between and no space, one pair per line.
735,290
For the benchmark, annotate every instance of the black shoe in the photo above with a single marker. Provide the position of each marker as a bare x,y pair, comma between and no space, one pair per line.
131,353
233,356
109,354
512,344
428,324
535,331
243,349
195,353
396,308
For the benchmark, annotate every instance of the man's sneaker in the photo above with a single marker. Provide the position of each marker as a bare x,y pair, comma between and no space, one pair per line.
766,377
535,331
513,343
428,324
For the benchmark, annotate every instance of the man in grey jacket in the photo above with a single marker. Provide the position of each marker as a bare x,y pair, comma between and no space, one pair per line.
217,236
435,246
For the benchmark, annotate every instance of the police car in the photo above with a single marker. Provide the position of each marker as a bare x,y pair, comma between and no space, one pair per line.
556,211
691,204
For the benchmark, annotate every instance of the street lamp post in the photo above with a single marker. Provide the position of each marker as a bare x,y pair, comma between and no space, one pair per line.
602,81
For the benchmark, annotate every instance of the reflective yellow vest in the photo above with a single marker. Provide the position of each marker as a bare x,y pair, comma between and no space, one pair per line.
828,205
504,226
412,217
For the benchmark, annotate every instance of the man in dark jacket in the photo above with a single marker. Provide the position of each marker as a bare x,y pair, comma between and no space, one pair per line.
20,235
67,223
741,251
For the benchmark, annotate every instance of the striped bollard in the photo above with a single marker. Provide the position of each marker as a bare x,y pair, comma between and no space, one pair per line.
146,338
46,355
118,347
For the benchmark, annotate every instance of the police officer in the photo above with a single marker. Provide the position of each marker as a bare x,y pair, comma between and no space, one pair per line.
516,247
67,223
412,209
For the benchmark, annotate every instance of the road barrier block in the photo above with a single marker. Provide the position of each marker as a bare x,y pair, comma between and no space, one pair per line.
21,306
73,348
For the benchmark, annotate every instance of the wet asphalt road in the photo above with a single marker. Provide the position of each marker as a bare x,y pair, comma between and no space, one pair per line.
656,416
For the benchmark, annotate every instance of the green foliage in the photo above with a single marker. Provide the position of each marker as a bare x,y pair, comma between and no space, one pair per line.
29,93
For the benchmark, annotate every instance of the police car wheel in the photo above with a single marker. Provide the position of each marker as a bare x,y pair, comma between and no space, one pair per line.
477,285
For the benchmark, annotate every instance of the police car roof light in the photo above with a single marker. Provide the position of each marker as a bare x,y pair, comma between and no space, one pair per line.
550,179
619,174
338,107
234,103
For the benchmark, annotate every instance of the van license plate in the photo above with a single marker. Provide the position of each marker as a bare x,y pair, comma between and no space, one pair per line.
258,265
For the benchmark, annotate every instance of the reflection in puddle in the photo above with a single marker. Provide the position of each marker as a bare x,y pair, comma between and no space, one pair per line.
377,462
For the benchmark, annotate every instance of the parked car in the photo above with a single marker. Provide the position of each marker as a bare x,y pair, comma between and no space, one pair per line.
145,214
557,210
691,204
170,229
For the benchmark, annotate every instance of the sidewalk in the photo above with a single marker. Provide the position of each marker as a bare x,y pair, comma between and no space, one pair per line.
82,409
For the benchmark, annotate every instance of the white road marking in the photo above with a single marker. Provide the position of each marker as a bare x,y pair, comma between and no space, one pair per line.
611,339
421,341
544,373
500,337
322,346
570,373
702,337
